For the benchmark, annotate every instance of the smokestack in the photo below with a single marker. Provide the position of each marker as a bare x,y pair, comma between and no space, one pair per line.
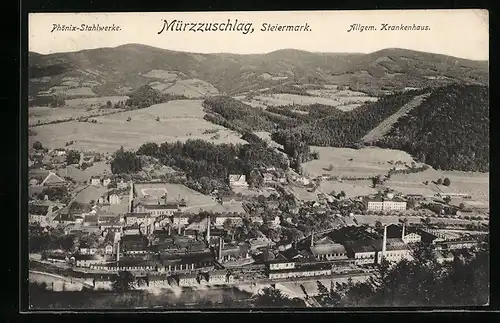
179,225
118,251
221,243
312,239
384,244
208,229
403,232
169,227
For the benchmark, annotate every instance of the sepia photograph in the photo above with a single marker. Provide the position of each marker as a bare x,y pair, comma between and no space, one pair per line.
258,160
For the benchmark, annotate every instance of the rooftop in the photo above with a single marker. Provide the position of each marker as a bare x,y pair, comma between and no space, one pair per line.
38,209
328,249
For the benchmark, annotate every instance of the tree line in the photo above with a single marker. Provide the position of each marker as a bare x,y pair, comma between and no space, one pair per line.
450,130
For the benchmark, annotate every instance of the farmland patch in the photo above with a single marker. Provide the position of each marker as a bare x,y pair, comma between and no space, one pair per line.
177,121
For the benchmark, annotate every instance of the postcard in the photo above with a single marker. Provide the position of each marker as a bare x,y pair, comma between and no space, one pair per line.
239,160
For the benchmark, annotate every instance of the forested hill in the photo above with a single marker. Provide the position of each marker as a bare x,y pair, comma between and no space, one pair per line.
110,70
449,130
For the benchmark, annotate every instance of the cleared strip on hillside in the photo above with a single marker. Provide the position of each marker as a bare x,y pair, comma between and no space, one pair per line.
385,126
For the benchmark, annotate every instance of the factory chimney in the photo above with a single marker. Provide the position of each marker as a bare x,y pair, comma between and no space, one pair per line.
179,225
221,245
169,227
208,229
118,251
312,239
384,244
403,232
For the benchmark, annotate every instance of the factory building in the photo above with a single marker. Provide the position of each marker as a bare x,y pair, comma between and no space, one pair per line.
380,204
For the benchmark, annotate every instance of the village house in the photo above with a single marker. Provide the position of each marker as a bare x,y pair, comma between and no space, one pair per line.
276,221
41,214
106,181
87,260
235,220
310,271
179,219
133,244
133,229
122,184
45,178
257,219
95,181
87,251
157,280
238,181
218,277
268,177
115,199
280,265
155,210
55,257
188,280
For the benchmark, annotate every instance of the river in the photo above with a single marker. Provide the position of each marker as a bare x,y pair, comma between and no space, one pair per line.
200,298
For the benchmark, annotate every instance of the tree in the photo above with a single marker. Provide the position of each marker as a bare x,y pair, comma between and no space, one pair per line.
72,157
378,225
125,162
447,199
446,182
426,221
129,119
273,298
109,105
37,145
157,118
439,181
123,282
462,206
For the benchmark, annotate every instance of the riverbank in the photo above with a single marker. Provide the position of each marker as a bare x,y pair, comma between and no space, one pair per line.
43,299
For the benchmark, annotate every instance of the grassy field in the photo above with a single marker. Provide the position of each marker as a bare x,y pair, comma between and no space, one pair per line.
91,193
175,192
179,120
72,91
192,88
47,114
99,101
254,192
475,184
81,176
344,100
351,188
359,163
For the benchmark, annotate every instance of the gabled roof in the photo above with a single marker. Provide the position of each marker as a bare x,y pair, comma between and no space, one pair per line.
34,209
52,178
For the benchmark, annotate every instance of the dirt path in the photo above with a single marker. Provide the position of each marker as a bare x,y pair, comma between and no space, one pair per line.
386,125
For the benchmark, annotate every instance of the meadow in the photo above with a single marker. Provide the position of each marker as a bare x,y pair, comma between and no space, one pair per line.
178,120
354,163
474,183
175,192
344,100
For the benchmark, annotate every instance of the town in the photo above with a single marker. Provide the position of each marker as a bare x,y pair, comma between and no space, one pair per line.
93,228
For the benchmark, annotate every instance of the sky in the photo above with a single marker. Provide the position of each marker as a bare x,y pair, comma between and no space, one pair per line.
460,33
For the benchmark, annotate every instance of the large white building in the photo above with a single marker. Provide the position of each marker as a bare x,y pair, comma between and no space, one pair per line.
385,205
238,181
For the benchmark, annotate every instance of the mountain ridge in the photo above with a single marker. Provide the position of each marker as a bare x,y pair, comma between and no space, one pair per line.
124,66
